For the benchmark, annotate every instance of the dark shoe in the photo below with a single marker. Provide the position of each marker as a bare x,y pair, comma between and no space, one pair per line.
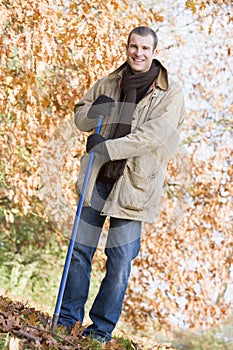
96,335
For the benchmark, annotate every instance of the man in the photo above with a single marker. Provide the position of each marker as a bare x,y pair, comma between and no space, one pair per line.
143,111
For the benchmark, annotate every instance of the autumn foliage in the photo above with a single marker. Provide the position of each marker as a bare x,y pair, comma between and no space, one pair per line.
31,329
51,52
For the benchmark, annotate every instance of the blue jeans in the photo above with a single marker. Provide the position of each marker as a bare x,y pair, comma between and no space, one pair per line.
122,246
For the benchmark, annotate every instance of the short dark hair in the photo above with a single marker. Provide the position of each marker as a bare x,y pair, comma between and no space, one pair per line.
144,31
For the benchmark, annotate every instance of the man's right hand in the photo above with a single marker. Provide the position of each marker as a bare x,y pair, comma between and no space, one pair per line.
101,106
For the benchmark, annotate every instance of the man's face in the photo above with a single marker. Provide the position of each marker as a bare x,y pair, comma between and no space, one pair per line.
140,53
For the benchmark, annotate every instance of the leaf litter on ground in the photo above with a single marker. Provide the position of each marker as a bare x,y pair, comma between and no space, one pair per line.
28,328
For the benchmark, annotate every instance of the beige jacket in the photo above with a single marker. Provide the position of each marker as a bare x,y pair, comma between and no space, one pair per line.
154,136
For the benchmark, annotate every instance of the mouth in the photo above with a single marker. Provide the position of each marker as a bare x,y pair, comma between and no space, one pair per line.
136,60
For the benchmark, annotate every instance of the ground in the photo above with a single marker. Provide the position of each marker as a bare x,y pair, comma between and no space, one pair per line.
24,327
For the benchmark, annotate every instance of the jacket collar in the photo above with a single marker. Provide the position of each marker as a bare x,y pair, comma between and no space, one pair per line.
161,81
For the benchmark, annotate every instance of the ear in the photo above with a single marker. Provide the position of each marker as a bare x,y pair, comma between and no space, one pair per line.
155,53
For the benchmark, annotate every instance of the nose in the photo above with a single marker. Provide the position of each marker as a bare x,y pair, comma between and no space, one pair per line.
139,51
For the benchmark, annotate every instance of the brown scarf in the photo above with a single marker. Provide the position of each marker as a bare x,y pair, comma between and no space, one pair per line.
134,88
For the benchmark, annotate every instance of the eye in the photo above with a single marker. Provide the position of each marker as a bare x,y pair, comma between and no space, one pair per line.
133,46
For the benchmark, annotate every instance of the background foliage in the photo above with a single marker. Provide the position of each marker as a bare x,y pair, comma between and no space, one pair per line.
51,52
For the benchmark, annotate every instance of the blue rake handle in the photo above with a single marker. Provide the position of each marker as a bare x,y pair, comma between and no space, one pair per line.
73,235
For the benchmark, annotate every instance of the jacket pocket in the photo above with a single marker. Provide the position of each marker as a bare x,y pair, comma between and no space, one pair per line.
134,190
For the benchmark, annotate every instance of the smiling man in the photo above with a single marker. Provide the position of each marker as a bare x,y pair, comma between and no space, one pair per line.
143,112
141,50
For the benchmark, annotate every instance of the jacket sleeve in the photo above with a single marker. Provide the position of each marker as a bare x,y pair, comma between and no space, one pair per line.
160,130
82,107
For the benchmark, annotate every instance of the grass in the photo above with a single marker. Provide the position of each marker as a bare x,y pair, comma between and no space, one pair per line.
4,341
218,338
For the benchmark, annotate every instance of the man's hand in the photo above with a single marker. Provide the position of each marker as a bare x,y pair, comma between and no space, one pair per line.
95,143
101,106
